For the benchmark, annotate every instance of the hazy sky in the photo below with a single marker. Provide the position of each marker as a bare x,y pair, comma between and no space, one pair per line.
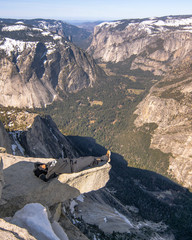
92,9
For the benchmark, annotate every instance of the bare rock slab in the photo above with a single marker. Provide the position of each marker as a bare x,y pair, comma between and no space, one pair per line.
9,231
22,186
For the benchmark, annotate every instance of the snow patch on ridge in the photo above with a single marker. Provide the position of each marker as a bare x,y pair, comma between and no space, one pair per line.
14,28
46,33
37,29
57,37
156,24
174,22
110,24
9,45
51,47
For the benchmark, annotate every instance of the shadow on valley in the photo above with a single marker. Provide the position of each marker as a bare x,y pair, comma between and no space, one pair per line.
157,197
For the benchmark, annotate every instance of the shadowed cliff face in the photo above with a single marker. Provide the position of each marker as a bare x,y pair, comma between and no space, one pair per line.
150,44
35,64
43,139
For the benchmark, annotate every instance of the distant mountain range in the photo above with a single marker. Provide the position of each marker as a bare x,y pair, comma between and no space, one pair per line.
150,44
38,60
79,36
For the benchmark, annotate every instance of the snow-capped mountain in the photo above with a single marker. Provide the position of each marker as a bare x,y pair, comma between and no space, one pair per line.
153,44
79,36
35,63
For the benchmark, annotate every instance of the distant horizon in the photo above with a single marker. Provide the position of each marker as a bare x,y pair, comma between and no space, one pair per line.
95,10
90,20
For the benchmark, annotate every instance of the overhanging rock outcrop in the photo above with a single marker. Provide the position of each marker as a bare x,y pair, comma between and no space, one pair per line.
22,186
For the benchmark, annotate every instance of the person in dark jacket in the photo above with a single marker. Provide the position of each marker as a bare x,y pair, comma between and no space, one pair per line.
66,165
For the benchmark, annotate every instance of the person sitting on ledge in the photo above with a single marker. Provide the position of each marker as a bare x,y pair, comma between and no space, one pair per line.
52,169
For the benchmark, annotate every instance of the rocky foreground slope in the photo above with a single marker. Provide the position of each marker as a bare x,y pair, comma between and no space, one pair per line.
23,195
18,170
133,204
151,44
36,64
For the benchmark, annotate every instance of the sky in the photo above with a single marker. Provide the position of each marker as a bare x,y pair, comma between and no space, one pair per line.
93,9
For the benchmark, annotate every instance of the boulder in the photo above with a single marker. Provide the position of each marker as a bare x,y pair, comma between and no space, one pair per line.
13,232
22,186
5,142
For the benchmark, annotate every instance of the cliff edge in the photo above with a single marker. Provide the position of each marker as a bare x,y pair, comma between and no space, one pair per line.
22,186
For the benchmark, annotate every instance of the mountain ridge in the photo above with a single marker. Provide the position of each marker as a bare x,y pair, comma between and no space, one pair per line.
79,36
154,44
35,61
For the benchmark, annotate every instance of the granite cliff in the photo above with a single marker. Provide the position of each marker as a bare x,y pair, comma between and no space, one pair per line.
22,189
80,36
18,170
41,138
36,64
150,44
44,139
138,204
168,105
161,46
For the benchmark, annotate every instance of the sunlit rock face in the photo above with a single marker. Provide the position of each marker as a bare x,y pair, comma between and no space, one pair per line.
169,106
154,44
35,64
5,143
13,232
